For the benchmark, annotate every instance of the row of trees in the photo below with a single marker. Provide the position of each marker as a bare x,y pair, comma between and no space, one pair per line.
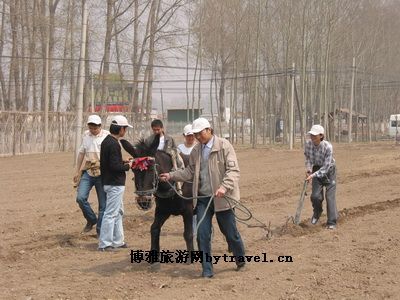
125,37
242,50
251,45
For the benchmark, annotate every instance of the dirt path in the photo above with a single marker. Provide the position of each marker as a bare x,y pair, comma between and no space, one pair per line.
43,254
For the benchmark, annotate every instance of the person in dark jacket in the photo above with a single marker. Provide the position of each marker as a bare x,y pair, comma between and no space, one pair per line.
113,170
167,143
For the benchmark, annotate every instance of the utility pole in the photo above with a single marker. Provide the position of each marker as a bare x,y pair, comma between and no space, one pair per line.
291,111
162,104
46,93
369,109
350,122
257,93
79,102
92,92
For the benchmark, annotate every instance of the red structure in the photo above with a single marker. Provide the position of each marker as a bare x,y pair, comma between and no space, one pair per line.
116,107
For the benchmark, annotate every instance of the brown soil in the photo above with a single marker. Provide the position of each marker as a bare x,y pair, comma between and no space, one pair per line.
43,255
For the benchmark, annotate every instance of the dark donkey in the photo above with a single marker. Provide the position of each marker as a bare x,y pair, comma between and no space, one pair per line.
167,201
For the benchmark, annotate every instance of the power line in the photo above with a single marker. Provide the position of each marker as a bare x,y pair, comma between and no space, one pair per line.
101,61
274,74
245,75
39,81
309,71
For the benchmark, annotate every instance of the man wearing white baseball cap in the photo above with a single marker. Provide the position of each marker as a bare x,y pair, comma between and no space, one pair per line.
88,173
214,170
120,121
321,170
113,169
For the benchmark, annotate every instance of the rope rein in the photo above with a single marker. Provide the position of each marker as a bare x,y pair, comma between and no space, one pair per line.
233,203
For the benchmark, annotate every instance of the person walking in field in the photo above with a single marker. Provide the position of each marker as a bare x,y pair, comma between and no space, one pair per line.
113,169
214,170
88,173
321,171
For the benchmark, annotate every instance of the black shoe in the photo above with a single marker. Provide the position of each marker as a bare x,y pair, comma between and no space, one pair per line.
314,220
207,275
88,227
241,267
123,246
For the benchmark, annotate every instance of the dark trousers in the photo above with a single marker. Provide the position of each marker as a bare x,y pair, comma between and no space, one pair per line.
317,195
227,225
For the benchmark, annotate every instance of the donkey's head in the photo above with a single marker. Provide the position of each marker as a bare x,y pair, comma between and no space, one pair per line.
149,162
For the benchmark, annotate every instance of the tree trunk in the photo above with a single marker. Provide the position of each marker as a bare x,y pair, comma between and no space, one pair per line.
154,21
107,51
15,64
5,101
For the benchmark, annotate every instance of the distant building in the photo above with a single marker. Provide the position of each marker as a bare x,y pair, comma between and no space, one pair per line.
180,114
118,94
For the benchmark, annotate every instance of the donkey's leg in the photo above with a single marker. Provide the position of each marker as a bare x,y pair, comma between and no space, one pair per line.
159,220
188,225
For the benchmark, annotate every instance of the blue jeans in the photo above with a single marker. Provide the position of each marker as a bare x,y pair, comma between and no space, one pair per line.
227,225
112,231
85,185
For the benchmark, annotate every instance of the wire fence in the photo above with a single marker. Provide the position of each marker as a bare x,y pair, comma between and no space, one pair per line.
23,132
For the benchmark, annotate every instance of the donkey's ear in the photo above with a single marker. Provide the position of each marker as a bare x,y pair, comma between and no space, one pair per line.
129,148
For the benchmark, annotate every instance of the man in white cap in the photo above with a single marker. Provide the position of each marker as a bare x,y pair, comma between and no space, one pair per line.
113,169
214,170
321,170
88,173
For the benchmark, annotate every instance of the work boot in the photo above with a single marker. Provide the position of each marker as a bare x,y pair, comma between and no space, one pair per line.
241,267
87,227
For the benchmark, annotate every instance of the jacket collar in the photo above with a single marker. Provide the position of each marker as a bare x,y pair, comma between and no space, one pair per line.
217,144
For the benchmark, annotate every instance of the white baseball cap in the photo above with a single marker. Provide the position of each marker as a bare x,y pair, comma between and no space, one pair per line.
200,124
94,119
316,130
120,121
187,130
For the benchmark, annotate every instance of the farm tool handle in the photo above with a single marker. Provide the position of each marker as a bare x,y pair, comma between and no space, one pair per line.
300,204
